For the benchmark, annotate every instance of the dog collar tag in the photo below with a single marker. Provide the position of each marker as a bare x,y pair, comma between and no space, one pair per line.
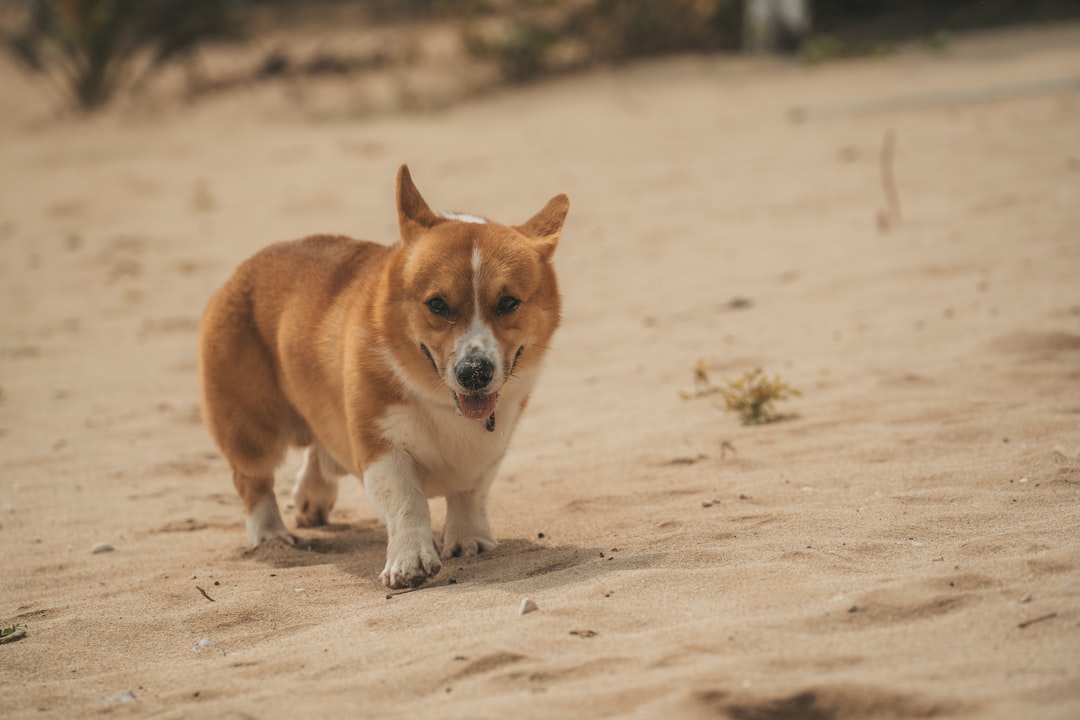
490,425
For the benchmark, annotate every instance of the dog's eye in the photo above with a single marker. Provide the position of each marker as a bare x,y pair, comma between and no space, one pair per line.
438,306
507,304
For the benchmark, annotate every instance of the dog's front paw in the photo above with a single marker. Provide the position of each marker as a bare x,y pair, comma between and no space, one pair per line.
410,564
467,544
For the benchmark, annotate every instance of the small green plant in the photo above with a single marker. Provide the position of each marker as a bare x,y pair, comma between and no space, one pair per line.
750,396
11,634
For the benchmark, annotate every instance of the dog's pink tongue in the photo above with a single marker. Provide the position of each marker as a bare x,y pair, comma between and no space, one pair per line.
477,407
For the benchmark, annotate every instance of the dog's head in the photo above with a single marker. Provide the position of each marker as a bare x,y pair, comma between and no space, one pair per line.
474,302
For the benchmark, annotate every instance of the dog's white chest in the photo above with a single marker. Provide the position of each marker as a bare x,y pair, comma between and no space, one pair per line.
451,453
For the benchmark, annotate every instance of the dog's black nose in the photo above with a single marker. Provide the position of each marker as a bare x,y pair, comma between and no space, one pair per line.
474,373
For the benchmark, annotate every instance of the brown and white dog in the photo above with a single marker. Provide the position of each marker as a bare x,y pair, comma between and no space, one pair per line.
407,366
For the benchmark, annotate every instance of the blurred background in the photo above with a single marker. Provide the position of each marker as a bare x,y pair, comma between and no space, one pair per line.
421,54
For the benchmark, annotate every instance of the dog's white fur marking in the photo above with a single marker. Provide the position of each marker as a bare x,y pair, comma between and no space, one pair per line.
264,523
463,217
477,261
449,455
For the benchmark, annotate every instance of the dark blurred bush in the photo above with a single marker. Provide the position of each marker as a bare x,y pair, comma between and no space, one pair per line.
544,37
91,48
622,29
894,19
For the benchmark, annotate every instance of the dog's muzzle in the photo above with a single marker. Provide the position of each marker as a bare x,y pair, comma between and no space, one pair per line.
474,374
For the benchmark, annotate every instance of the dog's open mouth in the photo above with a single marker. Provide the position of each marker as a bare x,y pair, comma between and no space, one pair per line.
476,406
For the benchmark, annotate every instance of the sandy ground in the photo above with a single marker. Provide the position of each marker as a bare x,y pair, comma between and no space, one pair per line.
907,545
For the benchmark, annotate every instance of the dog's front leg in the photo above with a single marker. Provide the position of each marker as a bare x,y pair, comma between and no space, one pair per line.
467,531
394,490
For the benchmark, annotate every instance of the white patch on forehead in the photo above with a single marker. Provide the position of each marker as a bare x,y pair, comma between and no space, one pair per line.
463,217
476,260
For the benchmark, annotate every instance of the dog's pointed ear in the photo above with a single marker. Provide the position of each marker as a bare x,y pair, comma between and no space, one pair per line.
414,215
545,226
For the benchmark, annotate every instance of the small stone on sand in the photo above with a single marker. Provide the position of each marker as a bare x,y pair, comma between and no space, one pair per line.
528,605
121,698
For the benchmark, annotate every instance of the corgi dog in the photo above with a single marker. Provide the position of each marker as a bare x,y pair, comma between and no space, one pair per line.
407,366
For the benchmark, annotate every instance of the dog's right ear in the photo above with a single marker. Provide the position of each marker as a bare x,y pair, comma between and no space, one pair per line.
414,215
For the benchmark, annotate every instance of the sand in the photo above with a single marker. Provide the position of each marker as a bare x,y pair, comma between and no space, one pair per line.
905,544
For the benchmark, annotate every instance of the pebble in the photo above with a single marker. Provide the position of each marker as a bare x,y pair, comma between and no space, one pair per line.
528,605
121,698
101,547
202,644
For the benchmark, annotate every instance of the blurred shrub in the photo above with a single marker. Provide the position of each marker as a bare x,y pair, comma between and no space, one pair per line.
91,48
543,37
620,29
523,51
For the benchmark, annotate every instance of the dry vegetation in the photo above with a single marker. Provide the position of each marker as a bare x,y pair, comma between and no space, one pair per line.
752,396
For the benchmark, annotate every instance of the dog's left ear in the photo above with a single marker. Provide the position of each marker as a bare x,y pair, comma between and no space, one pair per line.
544,227
414,215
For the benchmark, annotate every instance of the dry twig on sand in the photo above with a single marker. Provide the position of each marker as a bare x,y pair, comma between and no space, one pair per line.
1029,623
891,216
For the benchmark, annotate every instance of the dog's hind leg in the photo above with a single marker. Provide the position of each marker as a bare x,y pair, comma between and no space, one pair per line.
247,415
316,487
262,517
254,450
